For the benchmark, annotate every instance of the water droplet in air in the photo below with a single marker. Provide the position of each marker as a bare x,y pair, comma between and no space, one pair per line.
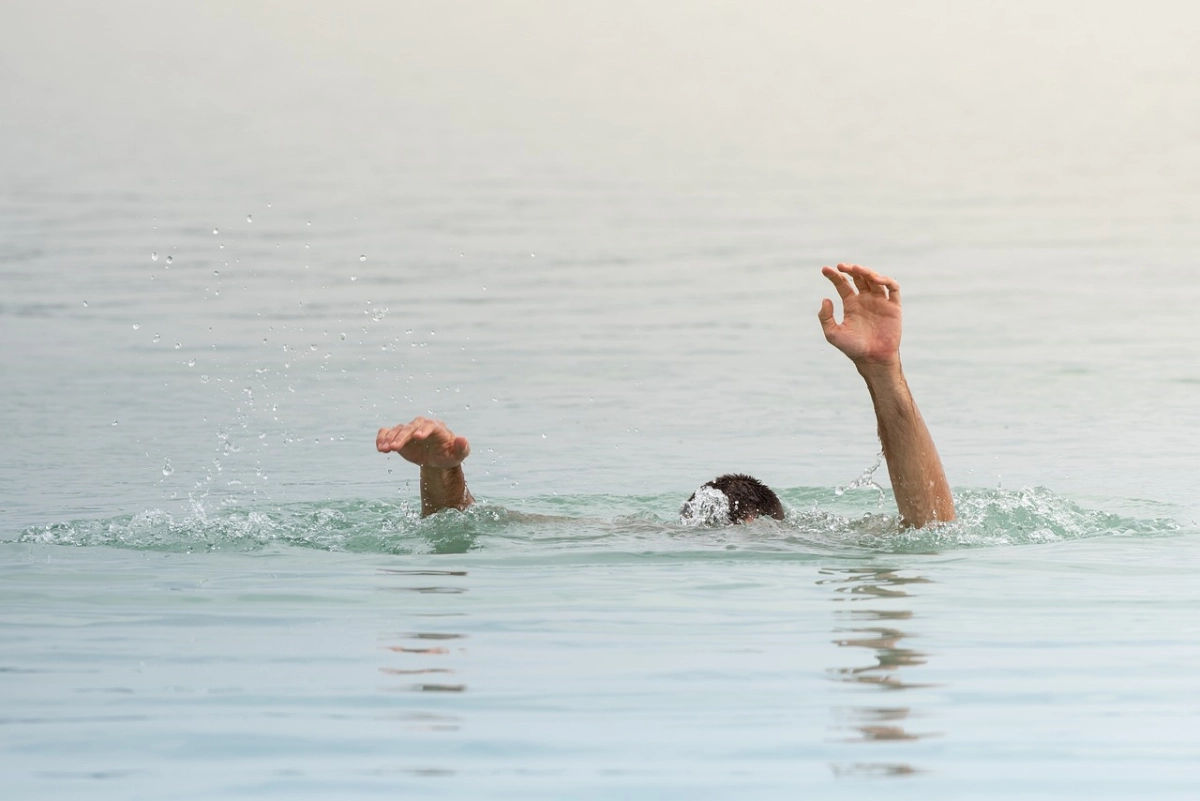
191,362
85,304
312,347
177,346
157,338
216,231
203,379
154,256
114,422
136,326
354,278
167,469
342,337
216,272
249,218
170,259
362,258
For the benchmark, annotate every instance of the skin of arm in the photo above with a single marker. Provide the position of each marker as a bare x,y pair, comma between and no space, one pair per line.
869,335
439,453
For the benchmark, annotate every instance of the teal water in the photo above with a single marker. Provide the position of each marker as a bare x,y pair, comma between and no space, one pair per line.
236,239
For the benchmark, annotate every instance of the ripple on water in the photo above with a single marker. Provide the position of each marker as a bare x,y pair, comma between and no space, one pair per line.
820,522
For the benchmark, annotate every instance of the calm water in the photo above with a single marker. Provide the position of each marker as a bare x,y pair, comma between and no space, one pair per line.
237,238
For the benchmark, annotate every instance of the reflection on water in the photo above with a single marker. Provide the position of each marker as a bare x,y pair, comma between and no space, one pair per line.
424,653
878,629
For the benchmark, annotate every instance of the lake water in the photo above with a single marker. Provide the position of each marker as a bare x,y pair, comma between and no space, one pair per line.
237,238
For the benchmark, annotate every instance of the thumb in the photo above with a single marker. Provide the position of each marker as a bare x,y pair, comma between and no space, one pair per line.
825,315
462,448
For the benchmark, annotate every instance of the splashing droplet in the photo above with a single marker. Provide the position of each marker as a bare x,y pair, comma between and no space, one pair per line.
191,362
154,256
157,338
362,257
203,379
216,231
85,304
136,326
177,346
354,278
114,422
250,218
170,259
167,469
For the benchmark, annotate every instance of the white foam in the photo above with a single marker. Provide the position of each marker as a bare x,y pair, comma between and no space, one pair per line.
707,507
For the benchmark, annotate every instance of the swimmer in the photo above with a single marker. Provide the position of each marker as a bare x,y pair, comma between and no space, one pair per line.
869,335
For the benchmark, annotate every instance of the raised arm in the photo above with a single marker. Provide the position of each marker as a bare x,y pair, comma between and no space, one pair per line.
440,454
870,335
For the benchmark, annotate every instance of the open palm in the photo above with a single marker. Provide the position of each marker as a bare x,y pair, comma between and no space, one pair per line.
424,442
871,320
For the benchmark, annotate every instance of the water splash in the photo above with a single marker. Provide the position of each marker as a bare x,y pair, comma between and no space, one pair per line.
866,480
819,523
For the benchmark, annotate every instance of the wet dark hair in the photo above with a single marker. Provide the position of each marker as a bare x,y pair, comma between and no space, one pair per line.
748,498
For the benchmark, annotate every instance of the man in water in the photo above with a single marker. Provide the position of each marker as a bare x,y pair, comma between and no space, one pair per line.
869,335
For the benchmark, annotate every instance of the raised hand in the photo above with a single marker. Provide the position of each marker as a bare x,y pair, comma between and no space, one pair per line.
871,321
424,442
870,335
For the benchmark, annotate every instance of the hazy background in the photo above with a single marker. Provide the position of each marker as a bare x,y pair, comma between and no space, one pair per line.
591,234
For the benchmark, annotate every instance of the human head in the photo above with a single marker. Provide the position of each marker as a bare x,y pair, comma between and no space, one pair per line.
731,498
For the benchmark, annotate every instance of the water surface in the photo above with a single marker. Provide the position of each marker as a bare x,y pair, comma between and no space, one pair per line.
237,238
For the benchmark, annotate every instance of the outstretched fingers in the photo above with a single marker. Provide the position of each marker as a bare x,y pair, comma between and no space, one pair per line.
841,282
867,280
393,439
861,276
893,288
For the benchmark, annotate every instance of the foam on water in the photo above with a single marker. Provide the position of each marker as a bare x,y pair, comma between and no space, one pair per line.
819,522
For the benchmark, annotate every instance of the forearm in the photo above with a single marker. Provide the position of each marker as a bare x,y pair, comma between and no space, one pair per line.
444,489
918,479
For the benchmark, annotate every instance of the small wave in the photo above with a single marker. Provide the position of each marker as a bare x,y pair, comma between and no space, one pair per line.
992,518
356,526
820,521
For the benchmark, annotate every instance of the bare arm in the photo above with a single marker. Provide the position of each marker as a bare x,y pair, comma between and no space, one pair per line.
440,454
870,335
